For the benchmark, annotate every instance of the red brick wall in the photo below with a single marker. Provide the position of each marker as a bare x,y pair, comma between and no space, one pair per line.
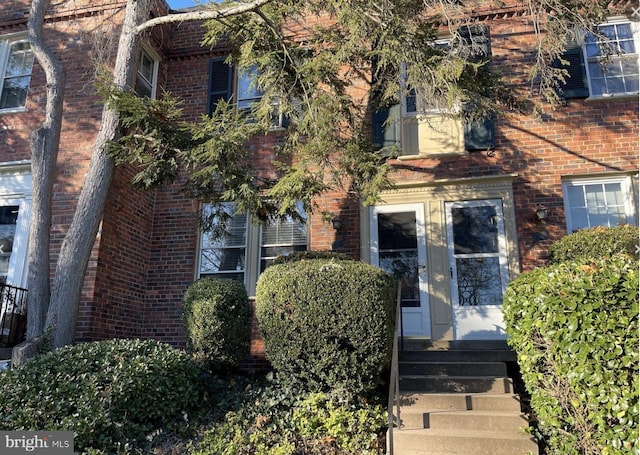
146,253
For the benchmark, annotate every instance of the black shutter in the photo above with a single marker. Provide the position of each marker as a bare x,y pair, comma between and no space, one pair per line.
478,135
386,126
475,37
220,78
576,84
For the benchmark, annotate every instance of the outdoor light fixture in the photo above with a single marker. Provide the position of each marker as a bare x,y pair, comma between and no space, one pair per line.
541,212
336,223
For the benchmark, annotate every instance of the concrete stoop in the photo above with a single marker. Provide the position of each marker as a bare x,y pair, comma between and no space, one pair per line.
459,404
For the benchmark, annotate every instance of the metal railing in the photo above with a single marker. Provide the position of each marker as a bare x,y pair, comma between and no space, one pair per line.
13,315
394,377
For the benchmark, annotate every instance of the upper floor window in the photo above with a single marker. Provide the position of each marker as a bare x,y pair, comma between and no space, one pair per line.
598,202
605,64
146,75
241,86
237,249
16,62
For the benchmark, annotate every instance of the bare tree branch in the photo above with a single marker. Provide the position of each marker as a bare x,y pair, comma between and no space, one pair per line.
203,14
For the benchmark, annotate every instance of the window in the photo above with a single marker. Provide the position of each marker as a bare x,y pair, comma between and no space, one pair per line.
16,62
598,202
604,65
247,93
423,130
241,251
146,75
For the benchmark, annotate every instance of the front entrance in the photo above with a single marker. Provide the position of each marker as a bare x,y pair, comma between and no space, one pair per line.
398,246
454,248
478,267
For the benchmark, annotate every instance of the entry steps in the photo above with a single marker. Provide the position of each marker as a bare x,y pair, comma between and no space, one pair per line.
459,400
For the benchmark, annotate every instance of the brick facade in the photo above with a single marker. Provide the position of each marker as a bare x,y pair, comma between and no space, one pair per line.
147,249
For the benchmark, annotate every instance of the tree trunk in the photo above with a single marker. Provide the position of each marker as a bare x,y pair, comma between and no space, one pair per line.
44,145
78,243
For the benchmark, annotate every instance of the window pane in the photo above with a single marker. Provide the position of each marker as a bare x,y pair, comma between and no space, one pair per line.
17,76
282,237
247,90
579,218
615,85
479,281
613,194
397,231
222,260
223,247
576,196
8,220
475,229
624,31
594,195
20,60
404,266
14,92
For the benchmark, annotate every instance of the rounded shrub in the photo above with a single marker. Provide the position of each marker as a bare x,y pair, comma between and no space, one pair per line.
574,326
114,395
598,242
327,324
216,315
295,256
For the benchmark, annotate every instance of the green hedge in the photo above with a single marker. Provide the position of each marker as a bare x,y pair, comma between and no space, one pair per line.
114,395
574,326
327,324
295,256
598,242
216,314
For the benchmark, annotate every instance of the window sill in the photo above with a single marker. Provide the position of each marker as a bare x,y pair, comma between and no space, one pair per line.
426,156
16,110
622,96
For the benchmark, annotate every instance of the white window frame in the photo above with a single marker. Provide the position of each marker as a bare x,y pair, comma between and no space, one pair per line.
588,60
252,250
146,51
626,187
6,41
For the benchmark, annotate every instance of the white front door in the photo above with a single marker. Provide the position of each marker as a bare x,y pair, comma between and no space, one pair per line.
398,246
478,268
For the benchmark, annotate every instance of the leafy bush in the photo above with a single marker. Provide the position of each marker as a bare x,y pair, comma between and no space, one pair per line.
327,324
216,315
114,395
574,326
276,420
295,256
598,242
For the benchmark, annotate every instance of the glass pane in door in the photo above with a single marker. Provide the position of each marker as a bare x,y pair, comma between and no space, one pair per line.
398,252
475,229
8,220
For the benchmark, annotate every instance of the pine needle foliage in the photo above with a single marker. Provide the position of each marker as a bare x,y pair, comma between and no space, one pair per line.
325,66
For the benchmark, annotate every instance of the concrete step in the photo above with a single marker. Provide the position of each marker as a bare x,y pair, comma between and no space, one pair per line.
464,420
458,355
431,441
458,384
459,402
453,368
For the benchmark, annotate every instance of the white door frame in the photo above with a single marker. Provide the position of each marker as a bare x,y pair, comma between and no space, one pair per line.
416,321
477,321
